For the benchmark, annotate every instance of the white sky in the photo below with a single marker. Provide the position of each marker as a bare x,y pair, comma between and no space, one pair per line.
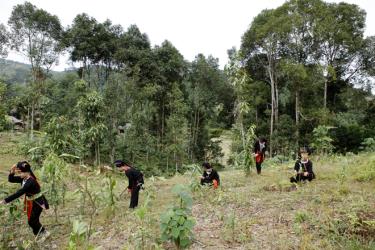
193,26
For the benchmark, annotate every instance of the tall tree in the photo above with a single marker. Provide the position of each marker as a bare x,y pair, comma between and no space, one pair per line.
202,86
91,116
80,39
298,48
134,55
263,41
177,127
36,34
338,32
105,41
240,79
368,55
171,70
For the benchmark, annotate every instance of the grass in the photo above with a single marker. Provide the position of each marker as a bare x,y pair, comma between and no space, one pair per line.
335,211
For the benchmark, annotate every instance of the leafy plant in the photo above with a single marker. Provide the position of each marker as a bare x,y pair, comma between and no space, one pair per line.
78,235
301,217
54,171
92,126
368,145
244,158
8,215
90,198
322,142
366,172
144,232
109,196
177,223
230,223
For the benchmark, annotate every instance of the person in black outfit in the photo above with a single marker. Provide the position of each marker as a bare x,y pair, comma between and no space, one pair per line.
135,178
210,176
303,168
259,150
35,201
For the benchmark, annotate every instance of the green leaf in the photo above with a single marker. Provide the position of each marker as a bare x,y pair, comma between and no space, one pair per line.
189,223
181,220
69,156
163,227
164,237
184,242
175,232
173,223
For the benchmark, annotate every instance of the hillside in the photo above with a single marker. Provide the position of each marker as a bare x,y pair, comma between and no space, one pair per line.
336,211
16,72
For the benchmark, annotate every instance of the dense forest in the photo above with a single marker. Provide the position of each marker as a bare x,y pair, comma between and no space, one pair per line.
302,76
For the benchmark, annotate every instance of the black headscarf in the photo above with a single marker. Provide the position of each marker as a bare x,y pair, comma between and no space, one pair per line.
206,165
120,163
25,167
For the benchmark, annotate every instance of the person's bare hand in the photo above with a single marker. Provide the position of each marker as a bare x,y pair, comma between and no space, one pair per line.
13,169
305,174
2,202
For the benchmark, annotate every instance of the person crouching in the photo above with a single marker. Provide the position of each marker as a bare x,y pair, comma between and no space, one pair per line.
210,176
303,168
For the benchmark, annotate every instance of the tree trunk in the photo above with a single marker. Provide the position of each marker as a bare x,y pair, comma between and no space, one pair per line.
175,160
276,91
272,106
28,119
274,96
297,117
325,93
162,123
197,129
40,115
32,121
175,153
167,164
191,139
113,142
242,133
98,153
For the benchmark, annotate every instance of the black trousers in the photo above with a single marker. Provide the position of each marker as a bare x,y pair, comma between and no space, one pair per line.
134,197
259,167
300,177
33,221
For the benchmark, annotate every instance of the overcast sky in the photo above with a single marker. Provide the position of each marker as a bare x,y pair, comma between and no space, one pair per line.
193,26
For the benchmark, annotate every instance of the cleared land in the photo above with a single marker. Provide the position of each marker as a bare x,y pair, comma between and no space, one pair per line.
335,211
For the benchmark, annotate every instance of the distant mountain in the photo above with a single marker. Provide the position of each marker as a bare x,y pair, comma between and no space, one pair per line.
14,72
17,72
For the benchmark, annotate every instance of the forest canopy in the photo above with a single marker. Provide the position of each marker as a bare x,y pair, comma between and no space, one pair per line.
302,76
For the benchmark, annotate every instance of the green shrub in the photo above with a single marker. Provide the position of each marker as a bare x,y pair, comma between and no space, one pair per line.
177,223
366,172
368,145
78,235
322,141
300,217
